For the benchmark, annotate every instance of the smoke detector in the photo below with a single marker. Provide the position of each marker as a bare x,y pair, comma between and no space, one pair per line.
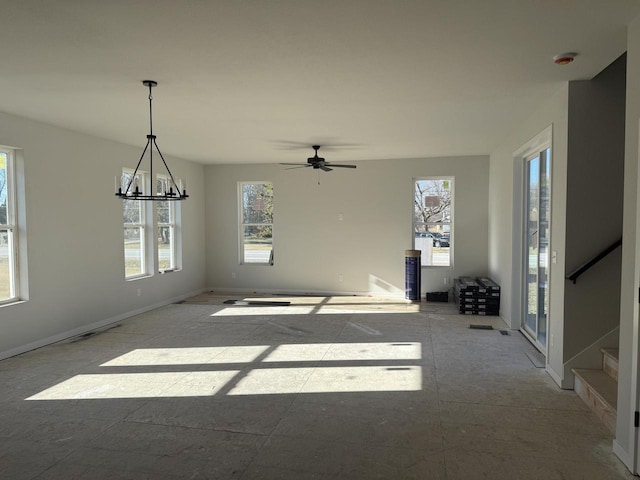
564,58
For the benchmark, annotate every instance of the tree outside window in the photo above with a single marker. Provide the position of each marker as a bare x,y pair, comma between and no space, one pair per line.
432,220
166,225
256,223
134,231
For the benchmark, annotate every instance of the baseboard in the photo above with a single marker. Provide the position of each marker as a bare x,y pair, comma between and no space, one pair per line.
557,378
101,324
623,455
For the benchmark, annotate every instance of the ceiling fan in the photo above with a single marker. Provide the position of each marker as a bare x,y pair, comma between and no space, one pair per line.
319,163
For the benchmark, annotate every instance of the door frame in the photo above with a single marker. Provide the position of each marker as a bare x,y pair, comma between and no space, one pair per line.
538,143
541,154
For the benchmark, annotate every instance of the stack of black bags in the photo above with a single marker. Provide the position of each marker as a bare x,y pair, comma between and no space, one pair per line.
477,296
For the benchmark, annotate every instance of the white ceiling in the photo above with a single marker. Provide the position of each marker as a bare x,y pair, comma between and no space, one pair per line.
246,81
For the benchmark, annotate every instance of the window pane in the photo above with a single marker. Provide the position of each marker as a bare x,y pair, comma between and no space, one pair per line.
258,243
6,290
165,222
164,185
432,221
163,212
3,189
257,200
433,201
133,251
165,248
8,277
132,211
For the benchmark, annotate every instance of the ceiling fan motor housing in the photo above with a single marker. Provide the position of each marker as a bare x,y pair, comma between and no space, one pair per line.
318,163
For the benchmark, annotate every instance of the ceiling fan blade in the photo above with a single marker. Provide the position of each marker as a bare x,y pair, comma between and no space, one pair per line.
324,168
341,165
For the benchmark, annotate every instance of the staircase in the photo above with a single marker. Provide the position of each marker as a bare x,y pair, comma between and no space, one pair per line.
599,388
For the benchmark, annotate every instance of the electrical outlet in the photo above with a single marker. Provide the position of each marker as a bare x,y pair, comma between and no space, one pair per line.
446,280
340,217
139,291
233,275
341,278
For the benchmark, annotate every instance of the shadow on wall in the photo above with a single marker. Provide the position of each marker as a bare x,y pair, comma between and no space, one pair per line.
378,285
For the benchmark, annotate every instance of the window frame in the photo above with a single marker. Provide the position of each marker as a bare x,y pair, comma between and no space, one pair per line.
141,225
242,224
450,223
11,226
171,224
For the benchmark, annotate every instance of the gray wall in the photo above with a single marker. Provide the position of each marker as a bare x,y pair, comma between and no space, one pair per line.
594,204
312,247
74,237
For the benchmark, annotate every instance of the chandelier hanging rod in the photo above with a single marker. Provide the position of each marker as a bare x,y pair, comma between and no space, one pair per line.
136,194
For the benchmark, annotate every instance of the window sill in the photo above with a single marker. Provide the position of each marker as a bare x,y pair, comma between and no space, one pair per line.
11,303
169,270
138,277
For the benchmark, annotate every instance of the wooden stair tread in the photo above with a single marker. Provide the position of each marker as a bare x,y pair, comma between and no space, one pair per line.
601,384
611,352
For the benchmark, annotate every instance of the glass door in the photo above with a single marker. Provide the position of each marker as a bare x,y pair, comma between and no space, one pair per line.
536,255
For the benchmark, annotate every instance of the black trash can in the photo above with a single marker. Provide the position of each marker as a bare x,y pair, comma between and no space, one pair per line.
412,272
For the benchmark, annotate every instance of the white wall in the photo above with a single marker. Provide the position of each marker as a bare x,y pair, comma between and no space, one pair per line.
312,247
628,373
75,237
503,234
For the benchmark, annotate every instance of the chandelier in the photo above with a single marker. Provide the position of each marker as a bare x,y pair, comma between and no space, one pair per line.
132,191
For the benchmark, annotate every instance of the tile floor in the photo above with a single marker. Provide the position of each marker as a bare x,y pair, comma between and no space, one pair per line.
327,388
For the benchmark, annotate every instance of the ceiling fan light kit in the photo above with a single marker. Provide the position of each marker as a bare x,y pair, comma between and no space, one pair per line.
133,192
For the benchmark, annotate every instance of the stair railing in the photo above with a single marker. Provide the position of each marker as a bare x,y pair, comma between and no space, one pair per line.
576,273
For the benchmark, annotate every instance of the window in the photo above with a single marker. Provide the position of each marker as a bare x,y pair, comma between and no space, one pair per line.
135,238
142,253
166,227
256,223
433,220
8,229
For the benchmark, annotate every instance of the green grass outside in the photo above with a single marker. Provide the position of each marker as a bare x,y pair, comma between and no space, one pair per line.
4,279
133,267
254,246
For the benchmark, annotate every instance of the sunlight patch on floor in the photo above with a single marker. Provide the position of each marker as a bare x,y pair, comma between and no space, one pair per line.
137,385
187,356
330,380
252,378
303,305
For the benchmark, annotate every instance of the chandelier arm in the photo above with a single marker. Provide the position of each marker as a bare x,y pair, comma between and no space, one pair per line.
168,170
151,143
135,172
